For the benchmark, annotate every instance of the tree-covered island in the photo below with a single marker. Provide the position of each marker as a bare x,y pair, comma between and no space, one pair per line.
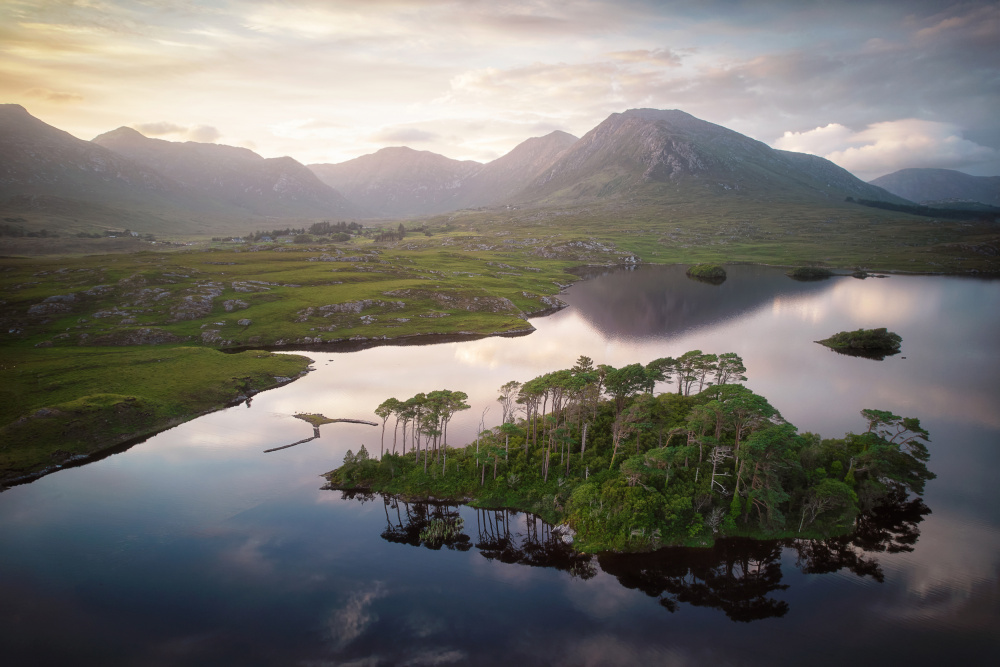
631,469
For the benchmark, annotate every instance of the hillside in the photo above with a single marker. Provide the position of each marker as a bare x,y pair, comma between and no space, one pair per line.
46,173
503,179
237,177
941,186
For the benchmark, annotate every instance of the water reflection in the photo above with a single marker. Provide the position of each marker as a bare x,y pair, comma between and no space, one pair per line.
874,355
660,301
740,577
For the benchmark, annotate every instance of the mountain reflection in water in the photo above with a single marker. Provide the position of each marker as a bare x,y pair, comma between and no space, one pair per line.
736,576
661,301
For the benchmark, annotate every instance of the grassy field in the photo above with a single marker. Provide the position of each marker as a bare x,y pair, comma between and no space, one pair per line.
56,406
71,320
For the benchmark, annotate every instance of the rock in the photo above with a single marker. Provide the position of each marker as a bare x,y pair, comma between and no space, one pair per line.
234,304
192,307
244,322
144,336
48,309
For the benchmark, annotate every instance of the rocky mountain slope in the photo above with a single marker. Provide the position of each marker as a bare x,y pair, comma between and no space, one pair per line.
502,180
669,154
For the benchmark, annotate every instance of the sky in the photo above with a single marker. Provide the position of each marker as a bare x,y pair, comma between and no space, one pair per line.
872,86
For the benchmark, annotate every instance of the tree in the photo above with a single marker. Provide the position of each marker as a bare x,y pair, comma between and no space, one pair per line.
508,399
623,383
624,425
686,371
730,368
768,453
703,365
659,370
890,457
388,407
828,494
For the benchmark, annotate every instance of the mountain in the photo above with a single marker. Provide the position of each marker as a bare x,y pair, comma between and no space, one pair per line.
648,159
237,177
941,186
400,181
504,178
664,155
45,165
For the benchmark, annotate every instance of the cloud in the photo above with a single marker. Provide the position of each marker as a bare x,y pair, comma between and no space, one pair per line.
350,621
654,56
405,135
884,147
201,133
53,95
432,65
437,656
159,128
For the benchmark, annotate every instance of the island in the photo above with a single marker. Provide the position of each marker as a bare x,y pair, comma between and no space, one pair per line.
809,273
619,466
708,273
869,343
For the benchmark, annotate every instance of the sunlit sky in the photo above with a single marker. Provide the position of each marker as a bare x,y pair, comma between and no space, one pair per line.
874,86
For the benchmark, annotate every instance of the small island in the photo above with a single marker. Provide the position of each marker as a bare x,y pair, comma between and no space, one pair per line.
868,343
708,273
618,466
809,273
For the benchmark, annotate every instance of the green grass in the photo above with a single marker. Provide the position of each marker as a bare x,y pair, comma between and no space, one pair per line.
80,401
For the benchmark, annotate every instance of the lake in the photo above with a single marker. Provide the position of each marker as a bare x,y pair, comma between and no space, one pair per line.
197,548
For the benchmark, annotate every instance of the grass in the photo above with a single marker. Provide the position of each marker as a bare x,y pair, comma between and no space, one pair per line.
80,401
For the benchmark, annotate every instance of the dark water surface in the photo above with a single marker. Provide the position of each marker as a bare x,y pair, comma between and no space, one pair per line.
196,548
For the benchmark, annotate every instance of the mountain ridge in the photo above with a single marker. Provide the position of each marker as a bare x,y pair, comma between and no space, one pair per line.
639,158
277,187
929,186
669,151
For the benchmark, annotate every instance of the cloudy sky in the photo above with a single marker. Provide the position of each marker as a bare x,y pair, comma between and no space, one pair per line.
873,86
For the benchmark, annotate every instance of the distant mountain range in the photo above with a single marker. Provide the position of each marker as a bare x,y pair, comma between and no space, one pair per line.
235,177
401,182
641,157
124,179
941,187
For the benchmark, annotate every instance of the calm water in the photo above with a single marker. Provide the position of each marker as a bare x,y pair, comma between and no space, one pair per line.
196,548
